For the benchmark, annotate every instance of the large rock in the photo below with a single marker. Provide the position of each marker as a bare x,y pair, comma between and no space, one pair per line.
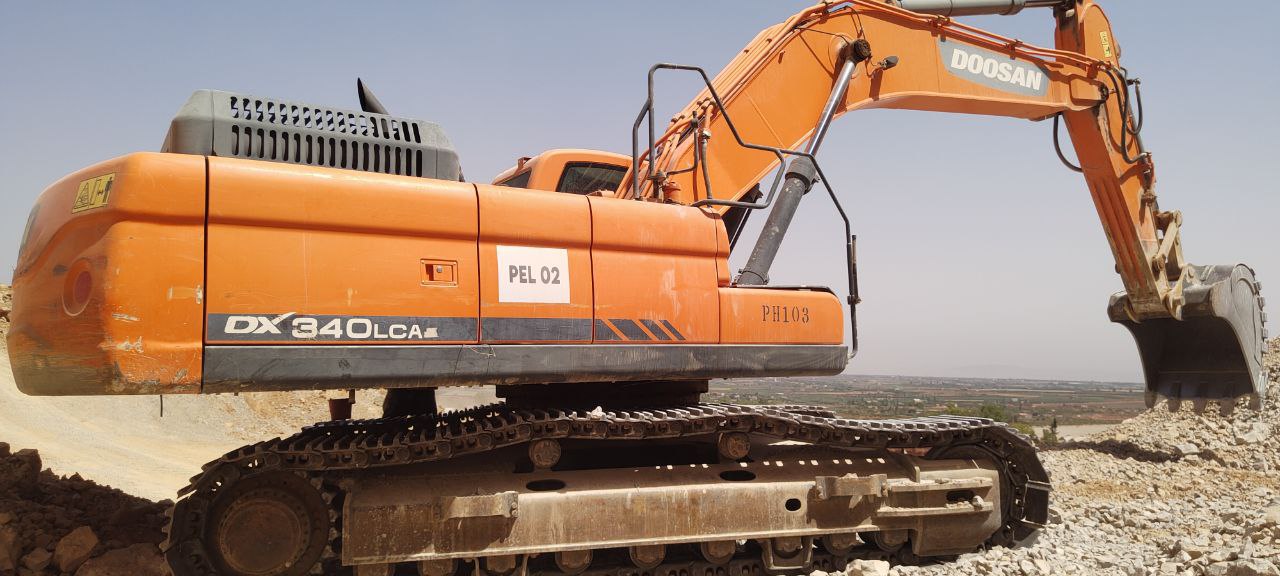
1254,567
1255,434
74,549
1186,449
1249,567
136,560
20,472
9,550
37,560
868,568
1271,516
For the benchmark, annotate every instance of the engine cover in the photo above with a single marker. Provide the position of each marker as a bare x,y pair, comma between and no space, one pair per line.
217,123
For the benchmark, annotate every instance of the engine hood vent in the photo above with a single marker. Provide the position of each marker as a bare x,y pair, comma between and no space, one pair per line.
217,123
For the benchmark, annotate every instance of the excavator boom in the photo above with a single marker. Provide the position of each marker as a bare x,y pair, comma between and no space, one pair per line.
917,58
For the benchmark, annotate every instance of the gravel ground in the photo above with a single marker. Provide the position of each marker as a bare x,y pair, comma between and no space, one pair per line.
1167,493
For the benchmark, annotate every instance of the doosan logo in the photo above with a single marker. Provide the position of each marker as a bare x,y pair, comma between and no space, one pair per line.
993,69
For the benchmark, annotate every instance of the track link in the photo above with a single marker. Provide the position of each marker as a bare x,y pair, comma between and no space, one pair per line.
322,454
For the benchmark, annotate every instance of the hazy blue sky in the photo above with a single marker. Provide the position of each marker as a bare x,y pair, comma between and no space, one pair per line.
980,254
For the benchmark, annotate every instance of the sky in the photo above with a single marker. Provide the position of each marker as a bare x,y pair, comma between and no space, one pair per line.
980,255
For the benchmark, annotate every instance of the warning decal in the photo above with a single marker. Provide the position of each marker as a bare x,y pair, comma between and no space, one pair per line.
93,193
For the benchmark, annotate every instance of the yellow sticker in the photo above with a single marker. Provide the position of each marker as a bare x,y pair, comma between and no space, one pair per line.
1106,44
93,193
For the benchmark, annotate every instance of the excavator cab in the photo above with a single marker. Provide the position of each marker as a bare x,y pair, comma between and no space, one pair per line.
1215,351
572,171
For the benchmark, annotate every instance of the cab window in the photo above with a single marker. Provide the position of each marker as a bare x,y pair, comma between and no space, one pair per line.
588,177
520,180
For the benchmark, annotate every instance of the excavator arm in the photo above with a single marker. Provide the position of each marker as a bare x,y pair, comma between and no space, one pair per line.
1199,328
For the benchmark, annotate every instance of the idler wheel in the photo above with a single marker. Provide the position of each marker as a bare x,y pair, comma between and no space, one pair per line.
272,524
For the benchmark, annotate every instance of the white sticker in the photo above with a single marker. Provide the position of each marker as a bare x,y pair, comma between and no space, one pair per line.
537,275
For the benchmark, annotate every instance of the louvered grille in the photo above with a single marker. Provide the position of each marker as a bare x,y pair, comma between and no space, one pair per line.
225,124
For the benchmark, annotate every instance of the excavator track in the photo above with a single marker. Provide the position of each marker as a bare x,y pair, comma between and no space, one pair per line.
279,502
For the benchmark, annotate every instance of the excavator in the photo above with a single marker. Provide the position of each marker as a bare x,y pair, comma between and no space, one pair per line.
279,246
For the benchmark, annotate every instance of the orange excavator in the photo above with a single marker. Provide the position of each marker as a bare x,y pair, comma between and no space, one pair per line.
275,245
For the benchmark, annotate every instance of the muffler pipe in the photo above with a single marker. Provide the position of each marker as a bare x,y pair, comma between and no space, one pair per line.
975,7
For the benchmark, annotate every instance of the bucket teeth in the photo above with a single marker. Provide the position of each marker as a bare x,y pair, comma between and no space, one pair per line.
1227,407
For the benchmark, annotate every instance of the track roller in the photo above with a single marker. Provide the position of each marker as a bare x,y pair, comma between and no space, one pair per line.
889,540
719,552
839,544
500,565
544,453
438,567
573,561
647,557
733,445
375,570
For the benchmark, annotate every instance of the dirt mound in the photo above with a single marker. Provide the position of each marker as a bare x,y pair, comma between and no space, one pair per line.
52,524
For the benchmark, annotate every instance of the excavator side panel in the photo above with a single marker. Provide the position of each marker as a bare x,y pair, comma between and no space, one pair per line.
655,269
770,316
310,256
331,279
535,267
109,288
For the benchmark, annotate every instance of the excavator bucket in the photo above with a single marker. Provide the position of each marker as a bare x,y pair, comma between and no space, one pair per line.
1215,351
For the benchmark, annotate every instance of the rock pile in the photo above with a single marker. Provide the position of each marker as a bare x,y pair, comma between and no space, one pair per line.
1164,493
51,525
1246,439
